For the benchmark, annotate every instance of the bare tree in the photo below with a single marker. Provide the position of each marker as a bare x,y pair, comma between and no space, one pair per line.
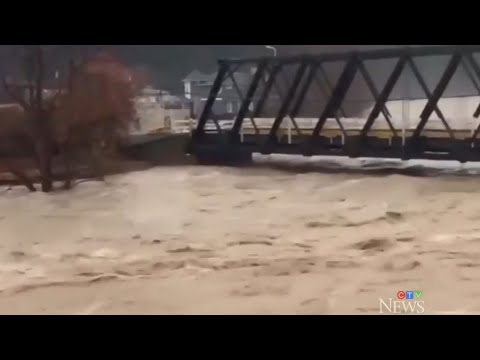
29,96
92,110
96,112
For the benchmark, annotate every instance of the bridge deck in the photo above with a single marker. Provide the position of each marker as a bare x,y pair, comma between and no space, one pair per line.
352,127
378,133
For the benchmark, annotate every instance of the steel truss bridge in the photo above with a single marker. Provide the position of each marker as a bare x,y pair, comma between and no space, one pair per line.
331,131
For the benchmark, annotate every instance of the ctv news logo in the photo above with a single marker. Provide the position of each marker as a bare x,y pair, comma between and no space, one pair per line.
405,302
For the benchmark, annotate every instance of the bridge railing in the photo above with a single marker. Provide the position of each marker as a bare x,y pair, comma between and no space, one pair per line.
185,126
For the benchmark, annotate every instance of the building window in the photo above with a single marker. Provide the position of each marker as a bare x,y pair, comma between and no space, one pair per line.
188,90
230,107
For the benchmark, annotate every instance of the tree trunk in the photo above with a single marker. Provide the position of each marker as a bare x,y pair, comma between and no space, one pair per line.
44,158
46,173
66,154
40,119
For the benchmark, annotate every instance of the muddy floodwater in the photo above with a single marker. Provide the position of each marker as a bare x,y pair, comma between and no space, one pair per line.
321,237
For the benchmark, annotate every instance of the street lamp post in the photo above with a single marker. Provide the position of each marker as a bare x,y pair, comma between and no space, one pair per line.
273,49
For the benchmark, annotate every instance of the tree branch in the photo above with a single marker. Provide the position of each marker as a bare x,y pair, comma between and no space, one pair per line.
51,103
15,97
39,79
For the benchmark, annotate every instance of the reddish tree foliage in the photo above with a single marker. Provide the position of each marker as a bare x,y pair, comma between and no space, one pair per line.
92,112
98,108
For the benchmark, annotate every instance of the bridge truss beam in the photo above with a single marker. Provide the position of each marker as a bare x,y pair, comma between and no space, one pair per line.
310,69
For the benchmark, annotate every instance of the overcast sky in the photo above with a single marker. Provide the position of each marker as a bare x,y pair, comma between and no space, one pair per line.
168,64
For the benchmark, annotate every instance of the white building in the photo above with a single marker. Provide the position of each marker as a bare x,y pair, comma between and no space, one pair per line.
159,112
